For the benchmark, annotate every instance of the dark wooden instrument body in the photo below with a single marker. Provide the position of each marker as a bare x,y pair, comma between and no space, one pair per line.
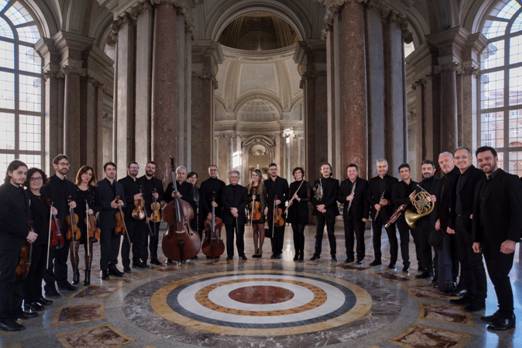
213,245
180,242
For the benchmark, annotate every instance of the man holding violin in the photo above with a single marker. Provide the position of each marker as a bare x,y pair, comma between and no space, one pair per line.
61,192
152,190
276,194
135,220
14,230
109,195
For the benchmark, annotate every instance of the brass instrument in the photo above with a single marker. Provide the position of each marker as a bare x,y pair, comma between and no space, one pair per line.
421,201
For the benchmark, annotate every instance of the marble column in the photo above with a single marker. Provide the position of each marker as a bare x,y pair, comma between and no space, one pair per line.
376,88
168,98
311,59
395,113
205,59
73,47
124,121
142,125
54,89
352,44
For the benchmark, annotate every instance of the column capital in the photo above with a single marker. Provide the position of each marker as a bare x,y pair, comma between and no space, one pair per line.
72,48
332,9
51,58
206,57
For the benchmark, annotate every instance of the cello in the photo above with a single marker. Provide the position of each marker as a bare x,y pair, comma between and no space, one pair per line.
213,246
180,242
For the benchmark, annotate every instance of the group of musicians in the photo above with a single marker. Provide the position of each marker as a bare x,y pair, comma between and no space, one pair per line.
476,215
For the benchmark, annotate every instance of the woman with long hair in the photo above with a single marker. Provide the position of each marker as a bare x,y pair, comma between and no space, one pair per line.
85,204
256,206
299,194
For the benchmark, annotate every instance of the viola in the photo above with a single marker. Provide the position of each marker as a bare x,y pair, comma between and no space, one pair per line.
138,212
213,245
180,242
256,208
93,231
155,207
119,218
24,261
279,216
73,231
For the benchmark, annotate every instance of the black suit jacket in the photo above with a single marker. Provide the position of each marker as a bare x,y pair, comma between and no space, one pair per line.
360,204
104,195
446,199
15,216
376,188
234,196
497,213
330,195
465,189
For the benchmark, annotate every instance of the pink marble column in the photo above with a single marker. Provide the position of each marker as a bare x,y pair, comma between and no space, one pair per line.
165,87
353,85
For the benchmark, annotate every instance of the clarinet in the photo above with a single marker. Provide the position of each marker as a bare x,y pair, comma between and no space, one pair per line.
352,193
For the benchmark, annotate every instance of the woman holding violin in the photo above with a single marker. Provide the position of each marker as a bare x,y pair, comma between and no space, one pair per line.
299,194
256,206
85,208
40,213
14,232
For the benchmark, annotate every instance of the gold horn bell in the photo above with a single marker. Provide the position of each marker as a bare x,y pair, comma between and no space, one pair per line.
421,201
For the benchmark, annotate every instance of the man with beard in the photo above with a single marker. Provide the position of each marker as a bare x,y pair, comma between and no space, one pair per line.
152,190
61,192
136,228
497,223
276,194
425,226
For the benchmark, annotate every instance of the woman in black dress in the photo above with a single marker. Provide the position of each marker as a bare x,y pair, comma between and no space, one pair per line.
256,207
85,204
298,210
196,223
40,213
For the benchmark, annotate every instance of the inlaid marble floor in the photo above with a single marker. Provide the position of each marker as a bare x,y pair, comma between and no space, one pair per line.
265,303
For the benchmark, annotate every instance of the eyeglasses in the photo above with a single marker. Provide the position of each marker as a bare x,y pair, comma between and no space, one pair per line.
37,178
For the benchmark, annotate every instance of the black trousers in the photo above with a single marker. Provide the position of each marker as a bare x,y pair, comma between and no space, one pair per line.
278,236
499,265
8,284
239,230
138,237
404,236
421,235
33,283
329,221
472,268
59,262
444,265
299,238
377,227
109,247
354,227
154,240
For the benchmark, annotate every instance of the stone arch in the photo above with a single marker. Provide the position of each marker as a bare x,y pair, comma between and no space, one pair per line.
234,9
48,20
258,95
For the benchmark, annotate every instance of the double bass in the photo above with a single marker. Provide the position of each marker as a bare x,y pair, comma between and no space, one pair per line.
213,245
180,242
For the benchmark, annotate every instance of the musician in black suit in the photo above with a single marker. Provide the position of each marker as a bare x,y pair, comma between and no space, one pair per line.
137,229
425,226
324,200
353,194
14,230
107,192
61,192
497,225
401,195
472,268
152,189
276,194
235,199
210,189
379,194
299,194
444,243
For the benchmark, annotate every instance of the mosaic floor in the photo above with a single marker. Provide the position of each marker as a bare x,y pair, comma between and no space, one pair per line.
265,303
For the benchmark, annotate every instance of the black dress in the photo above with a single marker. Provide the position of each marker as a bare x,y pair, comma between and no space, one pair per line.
298,211
82,197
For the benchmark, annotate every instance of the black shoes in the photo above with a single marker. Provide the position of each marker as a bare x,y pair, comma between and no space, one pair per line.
423,275
315,257
463,301
87,280
127,269
155,262
376,263
243,257
474,307
334,259
65,285
490,318
45,301
230,258
10,325
391,266
349,260
113,270
76,278
51,291
36,306
105,274
406,267
502,323
359,262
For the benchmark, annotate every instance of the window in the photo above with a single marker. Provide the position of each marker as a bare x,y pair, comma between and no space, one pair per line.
21,88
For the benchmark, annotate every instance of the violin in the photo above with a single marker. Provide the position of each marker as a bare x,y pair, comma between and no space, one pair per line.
93,231
279,216
56,237
256,210
213,245
24,261
73,231
180,242
119,218
138,212
155,207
